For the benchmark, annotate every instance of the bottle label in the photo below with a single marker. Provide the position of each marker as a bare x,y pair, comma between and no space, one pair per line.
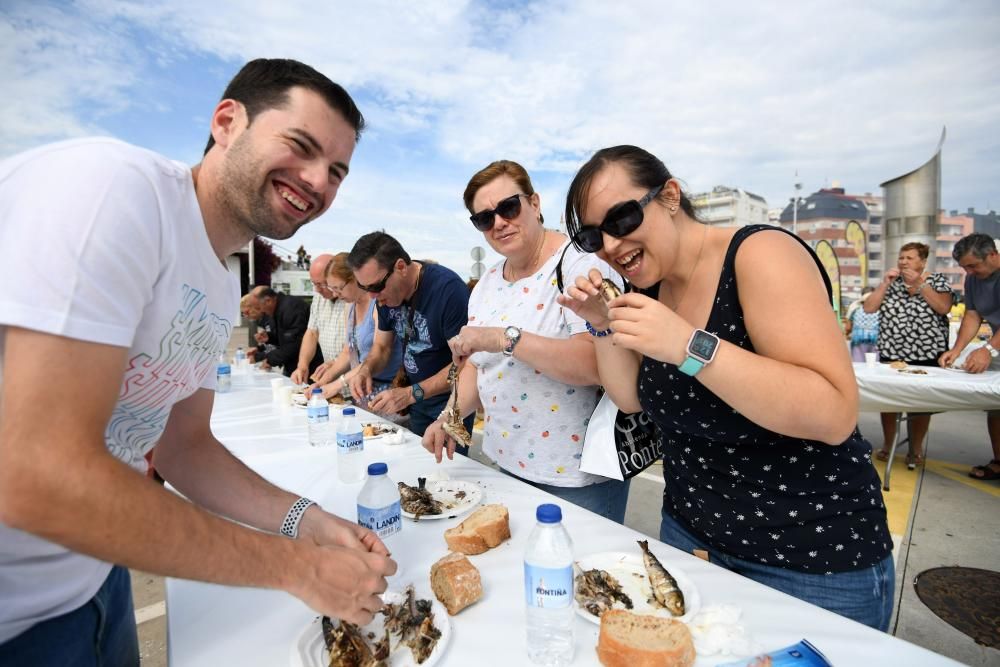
350,443
385,521
318,414
548,587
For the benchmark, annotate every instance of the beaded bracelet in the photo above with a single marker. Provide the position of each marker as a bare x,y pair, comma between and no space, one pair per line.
290,526
595,332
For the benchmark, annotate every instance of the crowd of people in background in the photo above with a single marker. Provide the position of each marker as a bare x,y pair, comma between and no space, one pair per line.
756,477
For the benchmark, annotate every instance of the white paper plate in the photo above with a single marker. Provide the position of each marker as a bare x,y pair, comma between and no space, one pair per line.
448,491
309,650
628,569
391,429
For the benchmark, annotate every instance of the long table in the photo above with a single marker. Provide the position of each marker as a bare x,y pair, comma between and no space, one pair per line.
886,389
216,625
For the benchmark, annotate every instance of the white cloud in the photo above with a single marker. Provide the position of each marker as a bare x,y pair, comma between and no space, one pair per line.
742,94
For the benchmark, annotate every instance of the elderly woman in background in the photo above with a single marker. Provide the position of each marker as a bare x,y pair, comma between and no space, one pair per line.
362,319
531,362
912,307
755,397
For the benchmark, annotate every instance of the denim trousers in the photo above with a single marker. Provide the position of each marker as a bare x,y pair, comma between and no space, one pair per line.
605,498
864,595
101,633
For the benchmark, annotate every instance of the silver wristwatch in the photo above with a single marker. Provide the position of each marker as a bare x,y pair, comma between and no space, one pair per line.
511,335
992,350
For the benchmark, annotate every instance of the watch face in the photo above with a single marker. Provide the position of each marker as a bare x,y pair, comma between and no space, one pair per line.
512,332
418,392
703,345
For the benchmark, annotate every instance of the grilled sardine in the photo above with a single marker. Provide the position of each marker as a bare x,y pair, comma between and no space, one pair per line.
666,592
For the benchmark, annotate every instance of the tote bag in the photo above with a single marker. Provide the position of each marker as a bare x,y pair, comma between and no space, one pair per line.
618,445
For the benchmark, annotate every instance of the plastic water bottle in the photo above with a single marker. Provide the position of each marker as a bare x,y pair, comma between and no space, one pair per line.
318,415
350,448
548,589
378,503
223,375
240,359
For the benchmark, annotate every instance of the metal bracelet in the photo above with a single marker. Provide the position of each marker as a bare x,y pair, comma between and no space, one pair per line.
290,525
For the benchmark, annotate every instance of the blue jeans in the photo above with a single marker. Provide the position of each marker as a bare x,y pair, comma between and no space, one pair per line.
864,595
605,498
101,633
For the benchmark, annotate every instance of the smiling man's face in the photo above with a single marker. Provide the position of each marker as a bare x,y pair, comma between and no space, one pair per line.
285,168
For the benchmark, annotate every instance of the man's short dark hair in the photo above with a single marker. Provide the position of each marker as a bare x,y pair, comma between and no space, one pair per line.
378,245
264,83
267,293
978,244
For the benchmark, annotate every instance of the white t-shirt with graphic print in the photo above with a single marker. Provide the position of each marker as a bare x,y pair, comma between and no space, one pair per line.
104,242
534,425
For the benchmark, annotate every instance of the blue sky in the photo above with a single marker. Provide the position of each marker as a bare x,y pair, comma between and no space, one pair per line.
726,93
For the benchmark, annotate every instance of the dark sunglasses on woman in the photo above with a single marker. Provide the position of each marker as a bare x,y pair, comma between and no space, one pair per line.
508,209
621,220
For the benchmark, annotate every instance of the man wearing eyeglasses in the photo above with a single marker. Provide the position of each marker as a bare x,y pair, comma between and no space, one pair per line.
422,304
326,327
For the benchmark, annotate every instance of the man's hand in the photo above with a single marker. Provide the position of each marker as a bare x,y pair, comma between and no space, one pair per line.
437,442
361,382
252,354
264,366
391,401
341,582
948,358
300,375
327,529
352,569
977,361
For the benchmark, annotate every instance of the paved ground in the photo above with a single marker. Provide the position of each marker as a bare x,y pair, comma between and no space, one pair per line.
939,517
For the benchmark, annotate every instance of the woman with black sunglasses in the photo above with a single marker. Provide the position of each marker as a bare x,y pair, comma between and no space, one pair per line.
531,363
755,396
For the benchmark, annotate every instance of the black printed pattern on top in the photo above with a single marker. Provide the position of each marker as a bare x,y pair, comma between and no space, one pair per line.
753,493
909,329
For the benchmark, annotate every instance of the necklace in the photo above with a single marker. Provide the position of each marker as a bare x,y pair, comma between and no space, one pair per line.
531,266
687,283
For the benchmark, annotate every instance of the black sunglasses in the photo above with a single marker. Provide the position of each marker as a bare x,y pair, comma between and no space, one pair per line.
621,220
375,288
508,209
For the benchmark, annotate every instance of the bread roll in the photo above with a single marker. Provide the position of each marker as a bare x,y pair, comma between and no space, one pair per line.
484,529
456,582
632,640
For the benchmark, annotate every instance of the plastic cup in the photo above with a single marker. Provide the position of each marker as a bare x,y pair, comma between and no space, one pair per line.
285,395
871,359
276,384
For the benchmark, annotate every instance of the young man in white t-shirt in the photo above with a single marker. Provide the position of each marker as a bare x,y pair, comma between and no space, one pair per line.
136,292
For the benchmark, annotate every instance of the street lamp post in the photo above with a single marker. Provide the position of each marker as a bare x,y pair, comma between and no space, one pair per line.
795,210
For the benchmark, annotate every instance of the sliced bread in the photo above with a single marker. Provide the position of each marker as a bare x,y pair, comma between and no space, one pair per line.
456,582
484,529
632,640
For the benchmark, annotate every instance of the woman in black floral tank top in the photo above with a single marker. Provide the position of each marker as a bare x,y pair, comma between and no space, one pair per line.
754,396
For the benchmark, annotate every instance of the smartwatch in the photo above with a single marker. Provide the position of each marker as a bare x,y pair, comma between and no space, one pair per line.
701,349
418,392
992,350
511,335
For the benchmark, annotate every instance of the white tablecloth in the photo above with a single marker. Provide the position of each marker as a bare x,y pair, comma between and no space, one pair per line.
215,625
885,389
